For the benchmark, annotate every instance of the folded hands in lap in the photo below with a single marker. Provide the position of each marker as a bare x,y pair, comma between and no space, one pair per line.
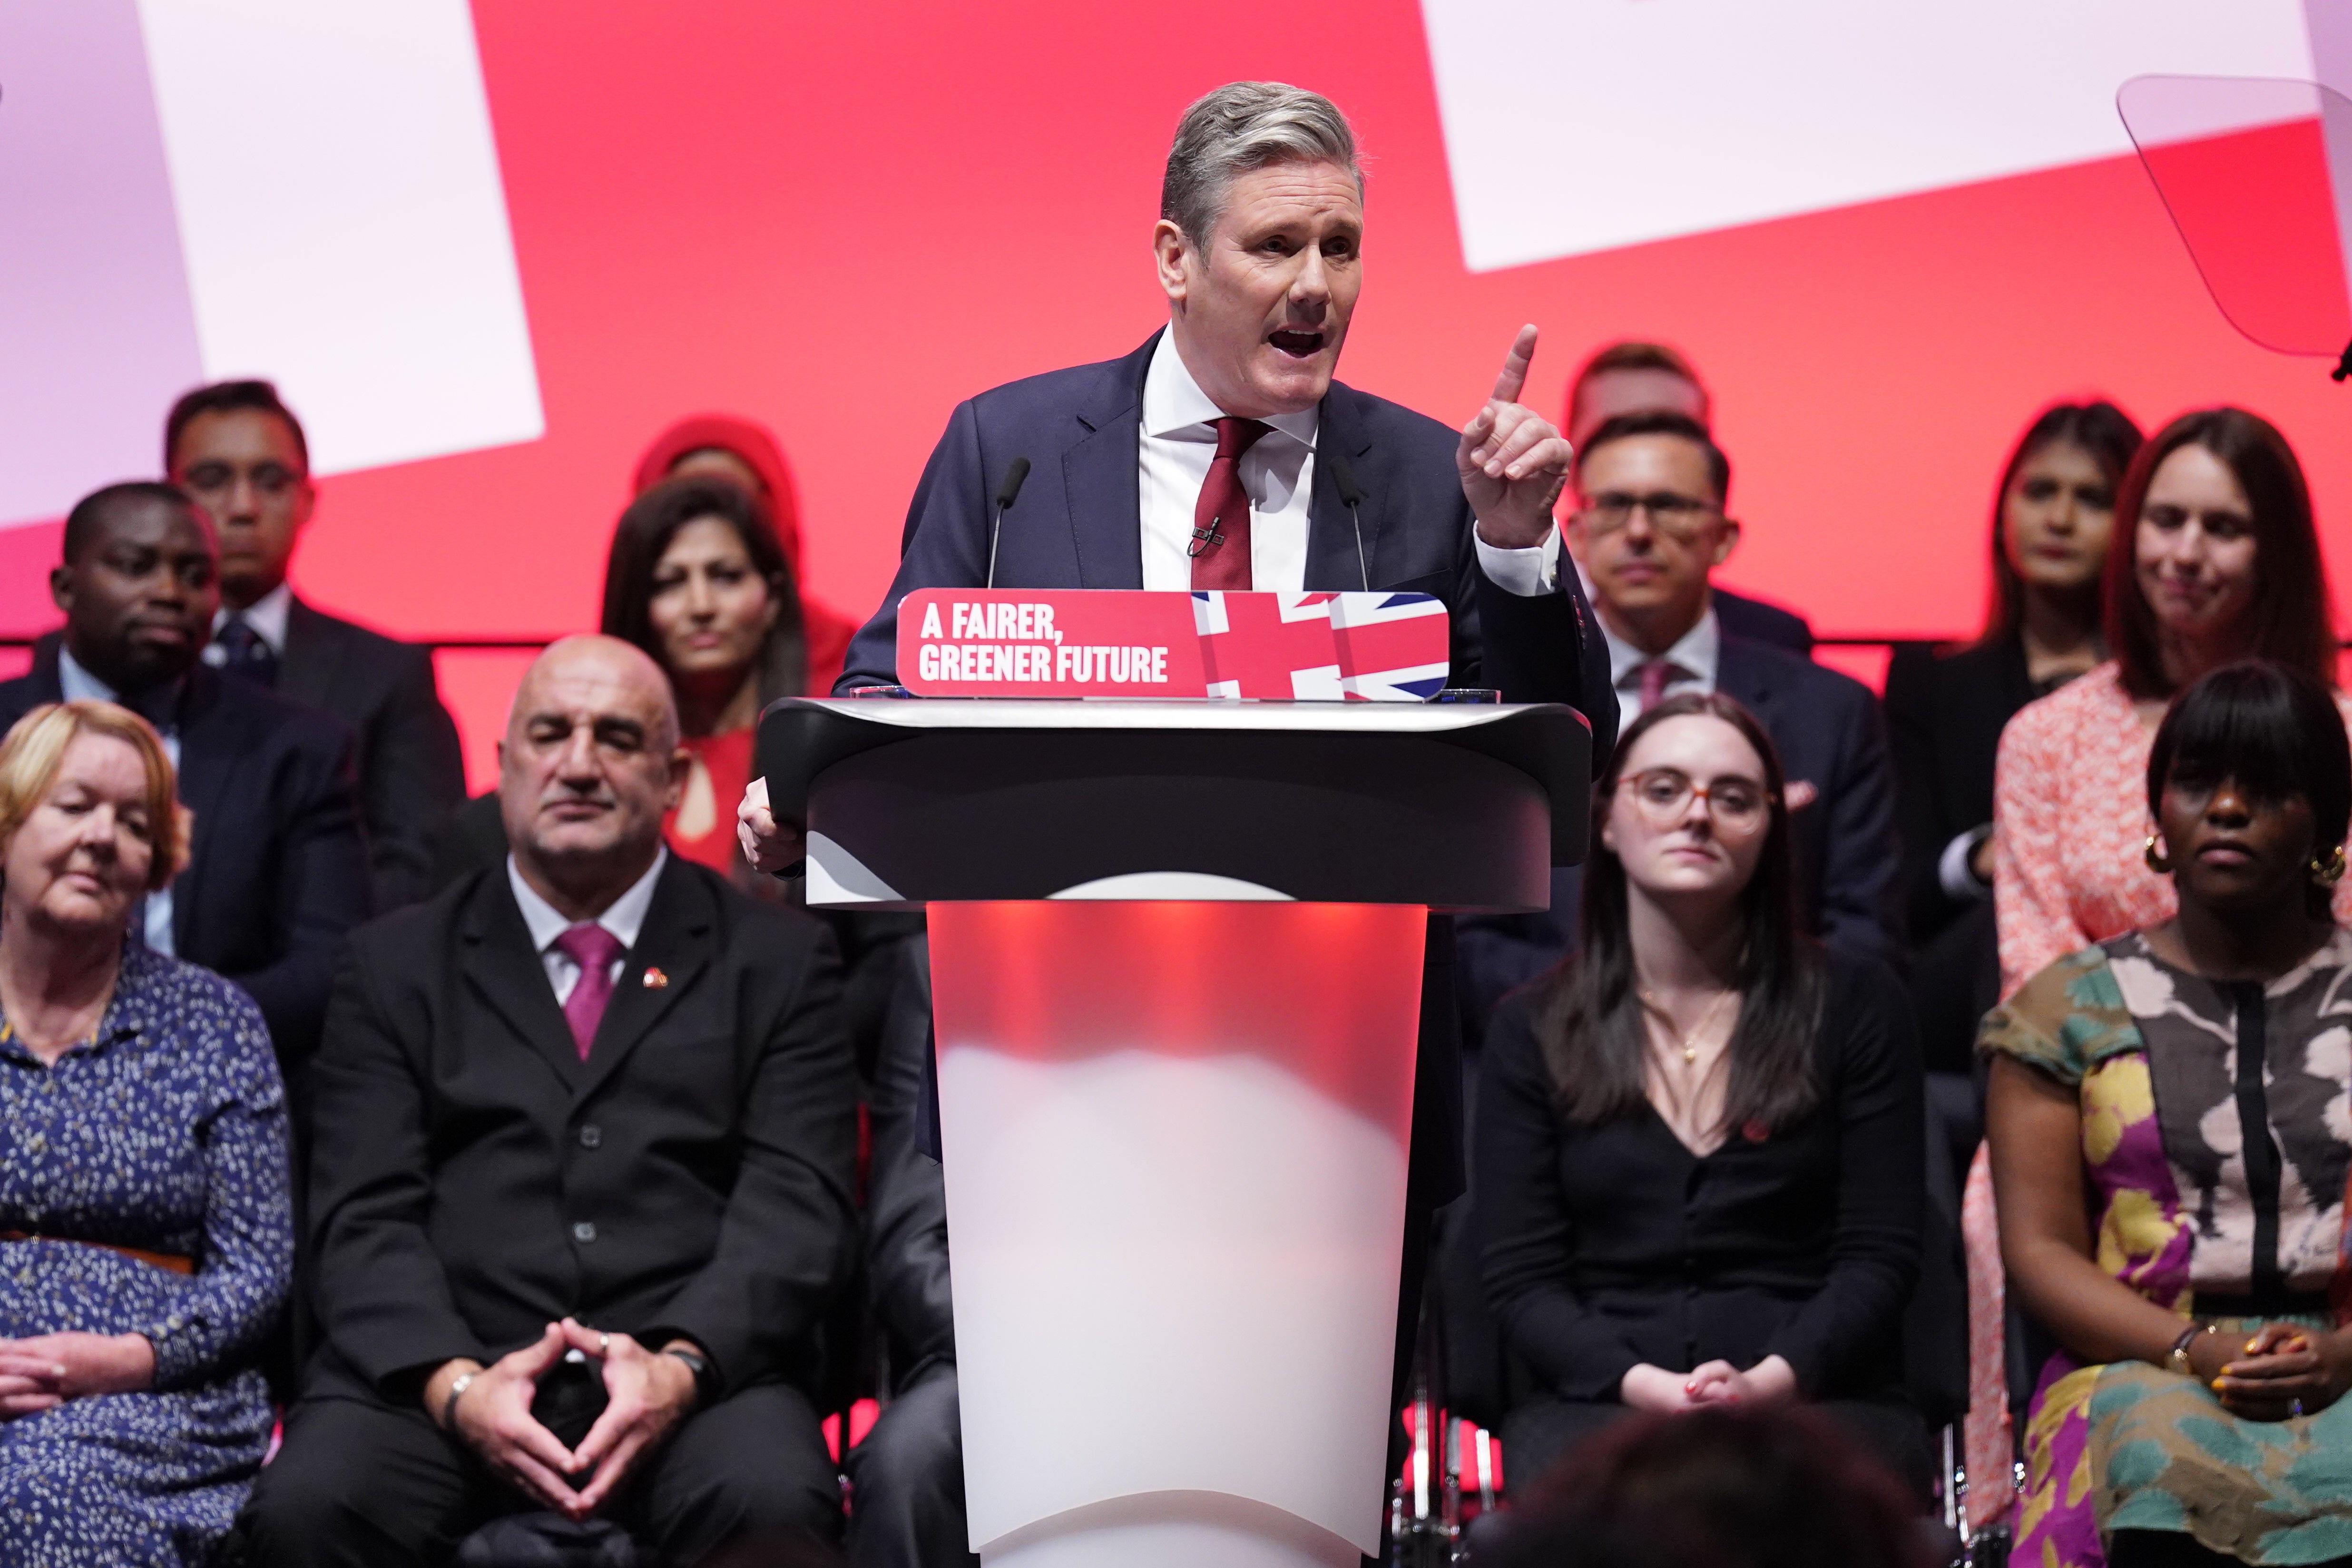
44,1372
1647,1387
648,1393
2283,1370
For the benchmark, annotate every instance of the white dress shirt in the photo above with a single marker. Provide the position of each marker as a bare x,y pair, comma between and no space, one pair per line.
265,615
624,916
76,684
1699,651
1177,444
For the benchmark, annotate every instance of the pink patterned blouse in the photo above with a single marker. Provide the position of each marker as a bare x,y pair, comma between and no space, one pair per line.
2071,825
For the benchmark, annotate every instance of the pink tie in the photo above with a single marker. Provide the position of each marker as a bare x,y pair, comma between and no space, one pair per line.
1656,675
594,948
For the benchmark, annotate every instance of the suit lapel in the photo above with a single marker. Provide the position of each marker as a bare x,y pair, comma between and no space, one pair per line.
312,660
1331,563
1741,678
209,749
1100,483
506,971
674,946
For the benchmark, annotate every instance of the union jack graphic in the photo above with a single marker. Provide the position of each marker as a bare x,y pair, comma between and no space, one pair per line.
1330,647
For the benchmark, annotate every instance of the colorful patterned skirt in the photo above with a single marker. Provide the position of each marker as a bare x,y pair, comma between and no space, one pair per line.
2132,1447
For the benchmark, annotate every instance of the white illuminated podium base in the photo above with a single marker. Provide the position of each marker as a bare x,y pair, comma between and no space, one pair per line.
1176,957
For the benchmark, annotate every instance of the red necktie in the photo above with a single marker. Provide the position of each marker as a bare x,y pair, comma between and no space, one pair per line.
1221,518
1657,674
594,948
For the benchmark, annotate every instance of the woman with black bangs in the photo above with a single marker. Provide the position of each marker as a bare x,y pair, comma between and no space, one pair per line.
1700,1170
2170,1146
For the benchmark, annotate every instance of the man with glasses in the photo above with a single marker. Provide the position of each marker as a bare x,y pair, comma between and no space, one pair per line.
239,451
1648,529
1632,377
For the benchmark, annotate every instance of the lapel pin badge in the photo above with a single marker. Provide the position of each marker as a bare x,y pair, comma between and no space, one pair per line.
655,979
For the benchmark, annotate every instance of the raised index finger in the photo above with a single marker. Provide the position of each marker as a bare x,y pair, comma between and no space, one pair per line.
1514,379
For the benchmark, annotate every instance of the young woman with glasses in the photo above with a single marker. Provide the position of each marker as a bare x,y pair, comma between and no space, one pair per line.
1700,1171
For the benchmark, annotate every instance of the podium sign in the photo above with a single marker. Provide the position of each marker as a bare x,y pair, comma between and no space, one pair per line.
1032,643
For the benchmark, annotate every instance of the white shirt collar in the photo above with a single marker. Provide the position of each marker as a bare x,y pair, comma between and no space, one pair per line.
265,615
624,916
1699,650
1175,408
76,684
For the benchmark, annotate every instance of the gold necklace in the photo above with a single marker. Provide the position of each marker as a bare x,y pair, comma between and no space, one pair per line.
1689,1041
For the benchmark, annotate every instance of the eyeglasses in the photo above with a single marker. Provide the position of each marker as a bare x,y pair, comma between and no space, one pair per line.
1734,803
1678,517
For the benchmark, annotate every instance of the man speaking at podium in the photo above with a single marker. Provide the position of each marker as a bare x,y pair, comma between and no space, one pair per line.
1222,454
1204,459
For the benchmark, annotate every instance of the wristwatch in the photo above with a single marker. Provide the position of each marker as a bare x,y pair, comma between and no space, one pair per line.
457,1385
698,1364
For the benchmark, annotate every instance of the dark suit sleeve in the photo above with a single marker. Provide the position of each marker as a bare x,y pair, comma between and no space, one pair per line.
322,885
906,1196
415,778
784,1241
384,1299
944,545
1546,648
1881,1181
1862,876
1526,1238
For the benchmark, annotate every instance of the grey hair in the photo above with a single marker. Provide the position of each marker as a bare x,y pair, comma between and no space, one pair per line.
1247,126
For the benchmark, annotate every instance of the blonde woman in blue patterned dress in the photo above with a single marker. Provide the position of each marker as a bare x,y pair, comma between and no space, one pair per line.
146,1243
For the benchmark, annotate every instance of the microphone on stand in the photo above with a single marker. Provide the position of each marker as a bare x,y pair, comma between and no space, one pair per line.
1015,473
1352,495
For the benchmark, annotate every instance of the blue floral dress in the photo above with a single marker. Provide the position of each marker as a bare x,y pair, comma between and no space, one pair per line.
165,1132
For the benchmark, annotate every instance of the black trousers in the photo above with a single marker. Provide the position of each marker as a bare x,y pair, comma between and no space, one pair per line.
906,1480
357,1482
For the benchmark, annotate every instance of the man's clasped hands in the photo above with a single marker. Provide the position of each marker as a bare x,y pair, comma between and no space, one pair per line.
648,1393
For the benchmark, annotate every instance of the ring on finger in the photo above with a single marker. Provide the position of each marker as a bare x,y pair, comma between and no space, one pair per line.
604,1343
2295,1407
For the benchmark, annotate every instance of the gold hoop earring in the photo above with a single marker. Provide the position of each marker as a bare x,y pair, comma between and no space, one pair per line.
2157,861
2328,872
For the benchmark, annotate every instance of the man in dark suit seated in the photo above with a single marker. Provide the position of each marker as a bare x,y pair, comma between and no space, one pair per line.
1630,377
582,1192
1649,528
277,872
241,453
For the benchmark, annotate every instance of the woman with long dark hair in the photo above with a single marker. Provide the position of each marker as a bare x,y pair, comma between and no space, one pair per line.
2219,561
698,579
725,446
1700,1170
2170,1146
2053,515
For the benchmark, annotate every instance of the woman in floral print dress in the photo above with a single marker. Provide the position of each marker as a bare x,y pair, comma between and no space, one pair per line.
145,1244
2170,1142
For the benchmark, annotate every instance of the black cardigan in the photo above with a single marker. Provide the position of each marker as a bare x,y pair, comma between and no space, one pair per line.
1607,1247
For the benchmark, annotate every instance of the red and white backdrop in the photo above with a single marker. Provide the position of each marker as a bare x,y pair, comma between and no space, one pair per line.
487,251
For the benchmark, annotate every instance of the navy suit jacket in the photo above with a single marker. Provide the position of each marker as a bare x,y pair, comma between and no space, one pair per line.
1830,734
412,773
1078,524
277,871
